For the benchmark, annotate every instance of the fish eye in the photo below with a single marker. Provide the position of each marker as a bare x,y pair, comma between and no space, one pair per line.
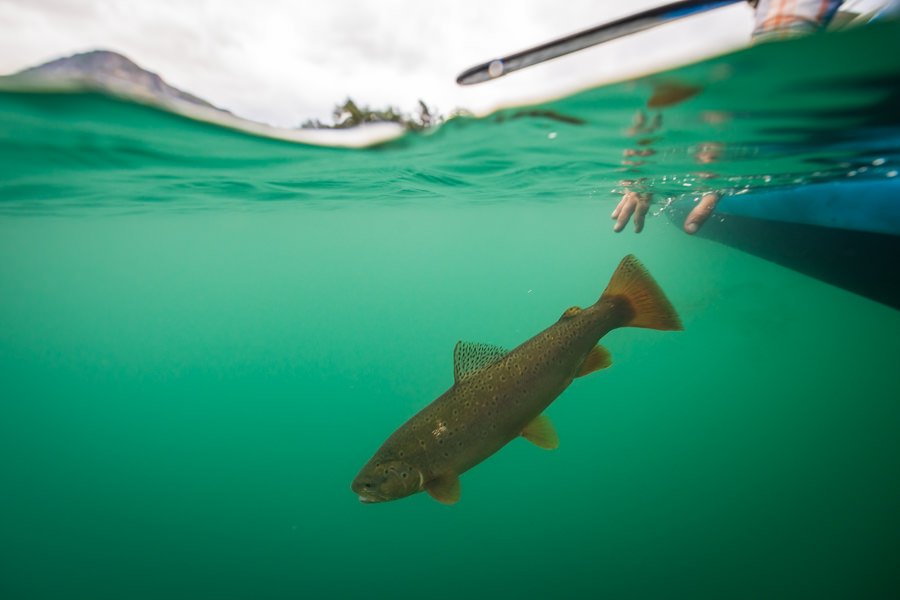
368,485
404,475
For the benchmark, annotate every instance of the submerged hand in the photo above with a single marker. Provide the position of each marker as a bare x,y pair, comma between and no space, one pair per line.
635,204
698,216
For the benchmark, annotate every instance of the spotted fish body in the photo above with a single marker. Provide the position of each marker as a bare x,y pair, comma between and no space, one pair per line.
499,395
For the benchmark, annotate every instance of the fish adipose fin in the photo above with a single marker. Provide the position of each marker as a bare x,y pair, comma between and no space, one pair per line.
598,358
445,489
469,357
542,433
649,304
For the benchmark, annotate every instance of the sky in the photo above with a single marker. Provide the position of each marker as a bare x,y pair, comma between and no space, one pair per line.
284,61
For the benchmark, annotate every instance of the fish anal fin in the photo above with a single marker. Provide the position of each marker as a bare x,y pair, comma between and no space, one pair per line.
541,433
445,488
469,357
598,358
650,308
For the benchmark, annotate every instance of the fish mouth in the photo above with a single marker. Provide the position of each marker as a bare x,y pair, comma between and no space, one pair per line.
367,499
365,493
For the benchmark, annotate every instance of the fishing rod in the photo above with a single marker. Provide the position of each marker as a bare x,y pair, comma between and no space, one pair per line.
587,38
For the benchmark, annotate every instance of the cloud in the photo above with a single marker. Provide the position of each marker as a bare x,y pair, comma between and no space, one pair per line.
282,62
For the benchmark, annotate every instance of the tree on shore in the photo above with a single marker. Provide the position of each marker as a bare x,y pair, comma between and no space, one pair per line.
349,114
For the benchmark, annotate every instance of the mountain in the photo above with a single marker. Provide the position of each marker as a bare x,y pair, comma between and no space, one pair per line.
113,74
105,71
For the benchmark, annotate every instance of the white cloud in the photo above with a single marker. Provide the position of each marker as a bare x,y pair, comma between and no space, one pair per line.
282,61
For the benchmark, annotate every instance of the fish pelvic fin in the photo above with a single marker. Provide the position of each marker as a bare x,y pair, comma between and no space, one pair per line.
650,308
541,432
445,489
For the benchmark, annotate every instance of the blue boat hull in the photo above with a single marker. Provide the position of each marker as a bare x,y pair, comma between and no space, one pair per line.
872,206
844,234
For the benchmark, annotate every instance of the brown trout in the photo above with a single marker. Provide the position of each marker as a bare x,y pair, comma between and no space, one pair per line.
499,395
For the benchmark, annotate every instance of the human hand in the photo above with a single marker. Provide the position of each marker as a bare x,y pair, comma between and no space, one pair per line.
632,203
637,204
700,213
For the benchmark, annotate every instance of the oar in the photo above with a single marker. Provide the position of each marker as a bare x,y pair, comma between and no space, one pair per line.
587,38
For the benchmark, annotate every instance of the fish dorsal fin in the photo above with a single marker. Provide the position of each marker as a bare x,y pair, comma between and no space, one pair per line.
542,433
445,489
598,358
469,357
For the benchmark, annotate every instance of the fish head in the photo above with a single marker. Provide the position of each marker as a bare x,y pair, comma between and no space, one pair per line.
385,480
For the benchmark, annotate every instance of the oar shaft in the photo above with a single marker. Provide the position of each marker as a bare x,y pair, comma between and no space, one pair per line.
587,38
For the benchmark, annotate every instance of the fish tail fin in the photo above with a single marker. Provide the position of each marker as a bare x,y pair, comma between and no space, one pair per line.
649,307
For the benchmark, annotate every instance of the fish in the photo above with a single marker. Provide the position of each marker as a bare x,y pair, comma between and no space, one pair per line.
500,395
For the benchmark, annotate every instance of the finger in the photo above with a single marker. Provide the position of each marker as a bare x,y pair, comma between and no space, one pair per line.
627,207
618,208
701,212
640,212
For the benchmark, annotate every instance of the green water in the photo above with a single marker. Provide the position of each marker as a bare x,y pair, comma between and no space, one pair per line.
204,336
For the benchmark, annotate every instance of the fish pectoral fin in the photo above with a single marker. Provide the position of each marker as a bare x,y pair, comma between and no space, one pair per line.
598,358
445,489
469,357
542,433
